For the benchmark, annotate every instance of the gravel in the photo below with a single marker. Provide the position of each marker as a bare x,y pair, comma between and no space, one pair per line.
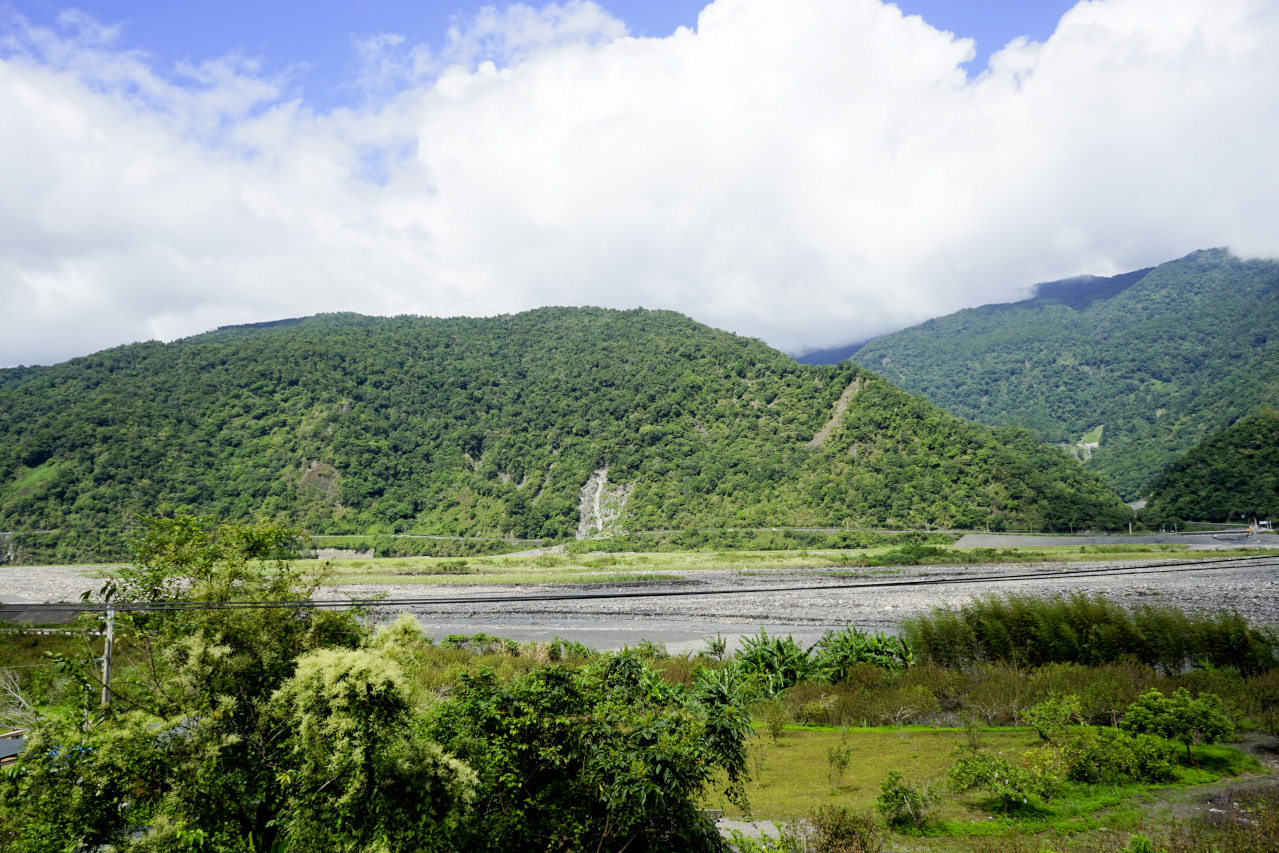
735,603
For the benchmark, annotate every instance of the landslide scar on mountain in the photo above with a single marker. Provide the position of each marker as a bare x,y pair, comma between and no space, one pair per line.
840,407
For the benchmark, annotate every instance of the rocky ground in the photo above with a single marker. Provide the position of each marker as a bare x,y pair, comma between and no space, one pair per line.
800,601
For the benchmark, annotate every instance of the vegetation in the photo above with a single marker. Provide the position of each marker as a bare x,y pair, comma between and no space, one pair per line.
289,729
1231,477
344,424
286,728
1078,629
1160,358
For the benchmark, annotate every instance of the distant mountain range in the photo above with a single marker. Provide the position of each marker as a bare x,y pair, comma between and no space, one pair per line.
552,423
1129,372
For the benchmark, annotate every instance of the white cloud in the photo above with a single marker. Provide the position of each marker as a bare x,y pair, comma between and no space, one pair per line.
810,172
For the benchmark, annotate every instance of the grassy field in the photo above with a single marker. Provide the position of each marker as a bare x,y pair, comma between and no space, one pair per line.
792,779
618,568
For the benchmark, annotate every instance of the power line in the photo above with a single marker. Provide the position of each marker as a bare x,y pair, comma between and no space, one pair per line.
154,606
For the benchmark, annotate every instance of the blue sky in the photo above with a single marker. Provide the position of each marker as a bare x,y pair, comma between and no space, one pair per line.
809,172
314,38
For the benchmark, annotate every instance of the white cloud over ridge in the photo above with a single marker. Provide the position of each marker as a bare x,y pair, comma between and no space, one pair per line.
810,172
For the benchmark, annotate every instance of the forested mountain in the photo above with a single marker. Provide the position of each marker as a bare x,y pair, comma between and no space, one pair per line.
1144,365
344,423
1232,475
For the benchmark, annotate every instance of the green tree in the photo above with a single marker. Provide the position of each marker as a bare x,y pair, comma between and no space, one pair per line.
191,742
1179,717
605,757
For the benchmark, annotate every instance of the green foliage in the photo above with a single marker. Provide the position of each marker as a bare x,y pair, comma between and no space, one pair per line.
1115,755
1161,358
360,776
1234,473
1079,629
1179,717
604,755
837,758
1052,714
1013,781
490,427
839,829
776,662
904,803
188,742
838,650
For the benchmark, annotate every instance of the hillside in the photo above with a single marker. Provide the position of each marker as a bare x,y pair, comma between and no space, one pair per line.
1145,365
1233,474
505,425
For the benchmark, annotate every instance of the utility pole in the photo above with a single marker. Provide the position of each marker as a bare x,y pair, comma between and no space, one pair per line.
106,657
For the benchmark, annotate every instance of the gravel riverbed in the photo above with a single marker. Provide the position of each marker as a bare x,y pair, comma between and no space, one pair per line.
734,602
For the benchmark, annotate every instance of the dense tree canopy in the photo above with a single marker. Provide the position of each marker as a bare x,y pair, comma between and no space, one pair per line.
350,424
1149,363
1232,476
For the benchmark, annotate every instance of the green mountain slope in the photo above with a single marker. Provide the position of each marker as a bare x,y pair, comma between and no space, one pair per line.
345,423
1234,473
1149,364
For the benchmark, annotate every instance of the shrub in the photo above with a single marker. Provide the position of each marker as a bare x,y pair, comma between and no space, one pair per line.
839,829
837,758
1080,629
905,803
838,650
776,662
1110,755
594,757
1179,717
1012,782
1051,715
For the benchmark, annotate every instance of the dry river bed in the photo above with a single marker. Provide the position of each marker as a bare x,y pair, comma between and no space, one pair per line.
803,602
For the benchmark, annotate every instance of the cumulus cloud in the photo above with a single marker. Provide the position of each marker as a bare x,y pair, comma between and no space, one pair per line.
811,173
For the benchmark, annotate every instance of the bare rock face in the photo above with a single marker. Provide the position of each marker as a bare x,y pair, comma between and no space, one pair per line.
600,507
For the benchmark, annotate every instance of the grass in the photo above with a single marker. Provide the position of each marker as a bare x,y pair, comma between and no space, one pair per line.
31,478
600,567
794,782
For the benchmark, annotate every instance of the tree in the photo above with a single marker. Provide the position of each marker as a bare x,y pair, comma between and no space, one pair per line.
211,733
607,757
1180,717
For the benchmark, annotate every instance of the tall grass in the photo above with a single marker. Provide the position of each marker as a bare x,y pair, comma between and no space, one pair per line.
1035,631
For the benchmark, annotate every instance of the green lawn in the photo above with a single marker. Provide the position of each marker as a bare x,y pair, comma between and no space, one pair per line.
794,781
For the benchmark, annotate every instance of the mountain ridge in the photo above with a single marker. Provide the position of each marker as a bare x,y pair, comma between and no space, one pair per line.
493,426
1159,358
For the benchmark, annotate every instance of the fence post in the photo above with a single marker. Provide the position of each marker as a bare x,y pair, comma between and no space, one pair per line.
106,657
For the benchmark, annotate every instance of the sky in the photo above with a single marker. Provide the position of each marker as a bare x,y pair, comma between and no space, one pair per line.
810,172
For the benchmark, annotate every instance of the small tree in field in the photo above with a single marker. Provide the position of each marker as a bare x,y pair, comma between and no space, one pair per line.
1180,717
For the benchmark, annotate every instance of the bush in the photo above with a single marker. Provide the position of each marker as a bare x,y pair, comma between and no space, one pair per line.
589,757
839,650
905,803
1052,715
776,662
1079,629
839,829
1012,782
1179,717
1111,755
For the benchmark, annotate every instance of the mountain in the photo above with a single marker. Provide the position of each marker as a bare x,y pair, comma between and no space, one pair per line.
1129,372
545,423
1232,475
830,356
